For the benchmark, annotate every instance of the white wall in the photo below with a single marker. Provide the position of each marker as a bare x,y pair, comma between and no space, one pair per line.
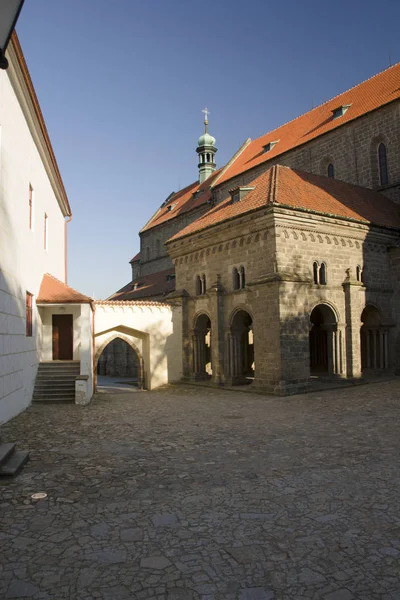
155,330
23,259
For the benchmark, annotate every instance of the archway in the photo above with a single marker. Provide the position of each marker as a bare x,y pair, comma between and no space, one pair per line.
324,342
241,348
202,368
374,341
119,357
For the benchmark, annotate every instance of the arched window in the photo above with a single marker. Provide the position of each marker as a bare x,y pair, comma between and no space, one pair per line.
198,285
315,271
322,274
236,279
382,163
331,171
358,273
242,278
203,281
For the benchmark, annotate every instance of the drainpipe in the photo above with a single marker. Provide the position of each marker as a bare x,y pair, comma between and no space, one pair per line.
66,221
93,307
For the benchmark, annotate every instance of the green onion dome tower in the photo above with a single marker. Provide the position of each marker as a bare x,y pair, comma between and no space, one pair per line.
206,150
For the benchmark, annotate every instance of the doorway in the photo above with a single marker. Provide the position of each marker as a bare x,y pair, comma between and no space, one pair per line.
63,336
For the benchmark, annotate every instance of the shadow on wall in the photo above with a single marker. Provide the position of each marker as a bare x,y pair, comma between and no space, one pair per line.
19,353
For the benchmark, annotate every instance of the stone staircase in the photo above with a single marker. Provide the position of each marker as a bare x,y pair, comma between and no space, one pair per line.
55,381
11,460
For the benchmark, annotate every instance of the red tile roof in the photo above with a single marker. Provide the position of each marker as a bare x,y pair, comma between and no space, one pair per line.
283,186
155,284
130,303
135,258
54,291
192,196
363,98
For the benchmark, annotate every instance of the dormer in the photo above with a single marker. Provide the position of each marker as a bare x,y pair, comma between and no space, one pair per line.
339,111
267,147
238,193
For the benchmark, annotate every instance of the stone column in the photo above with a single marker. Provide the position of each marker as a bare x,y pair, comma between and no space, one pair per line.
216,295
354,297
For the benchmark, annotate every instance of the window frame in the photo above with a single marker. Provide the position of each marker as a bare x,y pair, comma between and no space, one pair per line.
28,314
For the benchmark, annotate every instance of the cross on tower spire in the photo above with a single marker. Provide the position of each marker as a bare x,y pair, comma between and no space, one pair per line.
206,113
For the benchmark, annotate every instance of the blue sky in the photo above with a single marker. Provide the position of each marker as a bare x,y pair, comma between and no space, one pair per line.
121,85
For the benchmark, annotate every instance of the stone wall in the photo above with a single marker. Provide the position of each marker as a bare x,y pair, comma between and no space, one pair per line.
153,252
277,249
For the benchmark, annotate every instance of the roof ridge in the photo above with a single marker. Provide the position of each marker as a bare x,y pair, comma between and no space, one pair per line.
326,101
274,184
231,161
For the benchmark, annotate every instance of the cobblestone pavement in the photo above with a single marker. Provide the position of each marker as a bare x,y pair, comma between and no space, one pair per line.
190,493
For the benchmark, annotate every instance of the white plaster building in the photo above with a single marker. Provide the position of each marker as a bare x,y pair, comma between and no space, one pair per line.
34,209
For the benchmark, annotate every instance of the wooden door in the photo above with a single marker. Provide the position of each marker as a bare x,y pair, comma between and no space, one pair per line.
63,337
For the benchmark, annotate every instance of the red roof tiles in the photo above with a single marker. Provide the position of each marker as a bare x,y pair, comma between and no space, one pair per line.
192,196
135,258
284,186
54,291
155,284
363,98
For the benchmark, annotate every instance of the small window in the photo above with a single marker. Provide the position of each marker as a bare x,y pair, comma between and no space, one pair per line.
28,311
242,278
198,285
30,207
340,111
358,273
382,162
203,287
331,171
322,274
45,232
236,279
315,271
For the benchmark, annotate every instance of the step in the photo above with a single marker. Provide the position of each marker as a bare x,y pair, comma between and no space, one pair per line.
14,463
58,370
54,393
59,385
5,451
55,399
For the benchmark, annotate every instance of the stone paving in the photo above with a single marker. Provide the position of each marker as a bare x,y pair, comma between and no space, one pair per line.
190,493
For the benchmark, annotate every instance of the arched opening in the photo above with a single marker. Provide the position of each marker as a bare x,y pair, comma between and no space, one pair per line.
119,360
236,279
374,341
241,348
242,278
202,368
322,274
325,342
315,272
331,171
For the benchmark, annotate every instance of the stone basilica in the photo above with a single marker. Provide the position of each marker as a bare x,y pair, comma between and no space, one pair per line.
285,263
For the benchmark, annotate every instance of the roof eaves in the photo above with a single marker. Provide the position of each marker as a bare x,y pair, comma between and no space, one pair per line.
21,82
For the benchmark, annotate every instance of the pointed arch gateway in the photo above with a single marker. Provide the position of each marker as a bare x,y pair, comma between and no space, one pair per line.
118,356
